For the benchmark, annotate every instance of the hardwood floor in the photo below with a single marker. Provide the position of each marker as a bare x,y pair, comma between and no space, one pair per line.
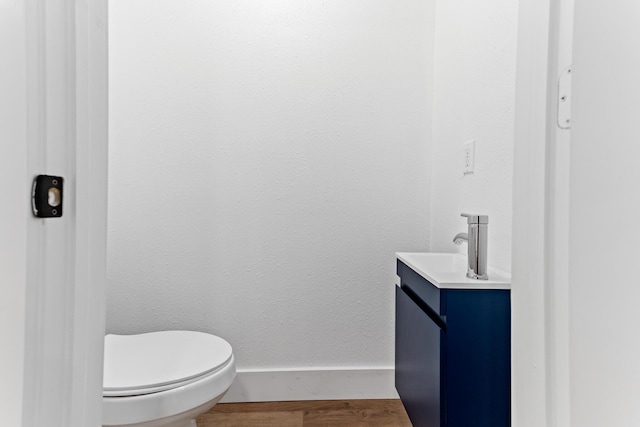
311,413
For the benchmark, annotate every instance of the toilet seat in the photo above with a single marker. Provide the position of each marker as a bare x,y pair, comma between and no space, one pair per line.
166,407
157,361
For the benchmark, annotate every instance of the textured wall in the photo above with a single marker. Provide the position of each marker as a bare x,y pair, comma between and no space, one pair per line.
474,90
267,160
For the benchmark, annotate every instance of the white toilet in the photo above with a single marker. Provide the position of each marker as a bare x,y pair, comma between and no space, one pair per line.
164,379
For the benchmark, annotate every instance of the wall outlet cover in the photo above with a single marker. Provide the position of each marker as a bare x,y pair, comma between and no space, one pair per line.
469,156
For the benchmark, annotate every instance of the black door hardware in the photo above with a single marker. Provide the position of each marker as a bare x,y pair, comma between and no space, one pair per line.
46,196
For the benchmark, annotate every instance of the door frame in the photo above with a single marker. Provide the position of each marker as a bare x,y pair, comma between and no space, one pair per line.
91,153
533,216
13,227
57,116
540,289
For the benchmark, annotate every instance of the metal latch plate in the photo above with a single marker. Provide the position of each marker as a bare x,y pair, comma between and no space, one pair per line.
564,99
46,196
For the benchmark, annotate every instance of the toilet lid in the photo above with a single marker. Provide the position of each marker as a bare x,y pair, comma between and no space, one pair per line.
155,361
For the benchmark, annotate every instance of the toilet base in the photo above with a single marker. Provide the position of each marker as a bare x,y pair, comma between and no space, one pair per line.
185,419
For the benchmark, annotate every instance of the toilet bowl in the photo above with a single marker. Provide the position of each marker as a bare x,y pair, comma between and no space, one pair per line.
164,379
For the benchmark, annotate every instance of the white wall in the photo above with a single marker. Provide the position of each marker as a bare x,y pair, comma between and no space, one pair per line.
266,161
474,95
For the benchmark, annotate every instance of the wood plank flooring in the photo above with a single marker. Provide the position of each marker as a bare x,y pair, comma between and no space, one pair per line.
310,413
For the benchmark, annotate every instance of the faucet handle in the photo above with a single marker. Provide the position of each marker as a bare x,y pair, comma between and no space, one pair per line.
476,219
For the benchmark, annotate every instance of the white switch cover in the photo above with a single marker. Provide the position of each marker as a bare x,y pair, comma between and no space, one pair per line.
469,156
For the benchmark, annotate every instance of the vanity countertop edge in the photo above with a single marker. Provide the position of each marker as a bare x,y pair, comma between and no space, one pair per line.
498,279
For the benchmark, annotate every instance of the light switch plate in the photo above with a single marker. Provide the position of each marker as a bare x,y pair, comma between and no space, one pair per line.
469,156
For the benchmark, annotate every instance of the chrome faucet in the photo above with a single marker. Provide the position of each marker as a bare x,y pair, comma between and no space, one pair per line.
476,238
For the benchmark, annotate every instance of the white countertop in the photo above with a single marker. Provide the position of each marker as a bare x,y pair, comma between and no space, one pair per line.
449,271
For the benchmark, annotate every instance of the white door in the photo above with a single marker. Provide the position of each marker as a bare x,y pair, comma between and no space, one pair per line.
604,235
53,116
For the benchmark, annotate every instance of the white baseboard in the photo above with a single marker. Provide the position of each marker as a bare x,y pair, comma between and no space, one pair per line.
312,384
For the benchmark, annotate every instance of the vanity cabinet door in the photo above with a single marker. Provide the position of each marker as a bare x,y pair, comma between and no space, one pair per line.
418,355
478,366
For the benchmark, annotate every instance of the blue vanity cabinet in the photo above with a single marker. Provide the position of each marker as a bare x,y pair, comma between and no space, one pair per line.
453,359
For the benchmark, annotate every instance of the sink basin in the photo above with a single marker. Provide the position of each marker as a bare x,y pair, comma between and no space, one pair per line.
446,270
